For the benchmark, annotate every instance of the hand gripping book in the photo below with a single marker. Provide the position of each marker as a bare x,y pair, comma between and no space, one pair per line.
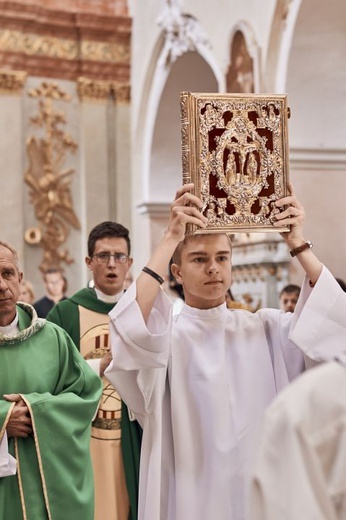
235,151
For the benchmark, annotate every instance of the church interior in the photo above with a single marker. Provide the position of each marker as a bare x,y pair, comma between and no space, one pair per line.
90,126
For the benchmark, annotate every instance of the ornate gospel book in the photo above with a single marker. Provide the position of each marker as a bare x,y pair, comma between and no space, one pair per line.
235,151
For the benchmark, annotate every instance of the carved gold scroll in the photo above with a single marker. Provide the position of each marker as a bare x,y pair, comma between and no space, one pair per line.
48,180
235,151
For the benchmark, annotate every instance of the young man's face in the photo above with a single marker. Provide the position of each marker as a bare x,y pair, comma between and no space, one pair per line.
205,270
109,275
10,279
288,301
55,284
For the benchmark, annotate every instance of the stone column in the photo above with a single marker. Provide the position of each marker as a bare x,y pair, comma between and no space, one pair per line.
95,98
11,158
120,180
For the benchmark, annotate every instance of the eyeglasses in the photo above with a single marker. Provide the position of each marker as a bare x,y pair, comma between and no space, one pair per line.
104,258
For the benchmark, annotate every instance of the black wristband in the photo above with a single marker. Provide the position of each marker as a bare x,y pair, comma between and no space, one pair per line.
156,276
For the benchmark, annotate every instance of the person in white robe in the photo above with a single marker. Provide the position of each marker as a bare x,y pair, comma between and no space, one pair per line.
300,467
200,382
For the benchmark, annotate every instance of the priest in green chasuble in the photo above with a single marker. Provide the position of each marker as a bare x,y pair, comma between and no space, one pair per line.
115,438
48,396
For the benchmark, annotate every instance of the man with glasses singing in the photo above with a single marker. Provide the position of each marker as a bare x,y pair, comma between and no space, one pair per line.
115,439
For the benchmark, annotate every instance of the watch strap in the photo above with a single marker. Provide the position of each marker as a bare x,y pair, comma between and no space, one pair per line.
300,249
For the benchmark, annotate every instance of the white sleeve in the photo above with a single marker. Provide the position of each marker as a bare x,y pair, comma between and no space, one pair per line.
94,364
140,351
8,464
319,322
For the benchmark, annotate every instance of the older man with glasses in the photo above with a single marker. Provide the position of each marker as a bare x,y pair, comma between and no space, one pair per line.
115,439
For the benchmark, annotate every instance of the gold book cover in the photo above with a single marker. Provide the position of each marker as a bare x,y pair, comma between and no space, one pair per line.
235,151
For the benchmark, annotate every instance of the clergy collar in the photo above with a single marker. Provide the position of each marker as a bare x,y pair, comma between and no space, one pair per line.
12,328
113,298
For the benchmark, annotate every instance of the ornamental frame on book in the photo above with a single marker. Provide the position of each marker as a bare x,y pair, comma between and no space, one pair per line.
235,151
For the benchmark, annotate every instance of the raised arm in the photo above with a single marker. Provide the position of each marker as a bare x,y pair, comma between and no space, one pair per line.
184,209
294,216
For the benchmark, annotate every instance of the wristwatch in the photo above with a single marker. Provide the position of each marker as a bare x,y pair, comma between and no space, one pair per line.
300,249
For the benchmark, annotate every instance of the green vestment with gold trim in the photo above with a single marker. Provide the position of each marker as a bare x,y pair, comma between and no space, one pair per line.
67,314
54,479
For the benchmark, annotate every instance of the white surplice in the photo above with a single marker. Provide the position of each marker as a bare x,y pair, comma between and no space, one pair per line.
300,472
199,385
8,464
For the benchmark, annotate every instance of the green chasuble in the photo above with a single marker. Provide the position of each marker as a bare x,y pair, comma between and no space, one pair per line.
67,314
54,479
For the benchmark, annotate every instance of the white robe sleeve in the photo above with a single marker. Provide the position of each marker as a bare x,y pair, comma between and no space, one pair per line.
8,464
140,351
318,325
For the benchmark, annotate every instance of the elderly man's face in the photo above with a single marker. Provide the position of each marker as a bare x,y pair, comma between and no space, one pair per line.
10,278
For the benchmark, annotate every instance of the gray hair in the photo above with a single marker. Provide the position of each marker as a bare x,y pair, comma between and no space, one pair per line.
8,246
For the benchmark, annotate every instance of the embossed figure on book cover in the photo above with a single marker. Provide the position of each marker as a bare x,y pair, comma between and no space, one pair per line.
235,151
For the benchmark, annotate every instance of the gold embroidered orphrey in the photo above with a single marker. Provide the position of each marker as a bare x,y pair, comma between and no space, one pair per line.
235,151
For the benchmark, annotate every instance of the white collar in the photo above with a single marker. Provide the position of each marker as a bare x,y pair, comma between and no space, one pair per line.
12,328
113,298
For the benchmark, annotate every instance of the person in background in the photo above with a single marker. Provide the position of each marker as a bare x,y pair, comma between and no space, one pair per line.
26,292
48,396
115,439
288,297
56,288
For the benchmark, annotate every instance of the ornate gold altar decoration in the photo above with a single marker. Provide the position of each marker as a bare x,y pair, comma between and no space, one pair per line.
49,182
235,151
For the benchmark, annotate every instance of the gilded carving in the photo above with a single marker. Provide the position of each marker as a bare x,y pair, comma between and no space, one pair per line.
99,90
48,180
93,90
182,33
122,93
32,44
12,82
104,51
50,46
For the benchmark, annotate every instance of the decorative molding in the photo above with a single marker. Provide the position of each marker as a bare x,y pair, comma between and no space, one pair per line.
93,90
105,52
122,93
12,82
263,252
182,33
64,44
52,47
317,159
101,91
154,209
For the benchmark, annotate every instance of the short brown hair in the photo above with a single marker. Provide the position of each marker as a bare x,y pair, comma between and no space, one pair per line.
190,238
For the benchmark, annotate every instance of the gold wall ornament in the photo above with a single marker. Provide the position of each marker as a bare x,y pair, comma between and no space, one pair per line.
33,44
49,182
105,51
235,151
94,90
12,82
122,93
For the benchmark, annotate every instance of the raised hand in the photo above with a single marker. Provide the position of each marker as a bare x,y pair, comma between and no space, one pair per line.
185,209
294,216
